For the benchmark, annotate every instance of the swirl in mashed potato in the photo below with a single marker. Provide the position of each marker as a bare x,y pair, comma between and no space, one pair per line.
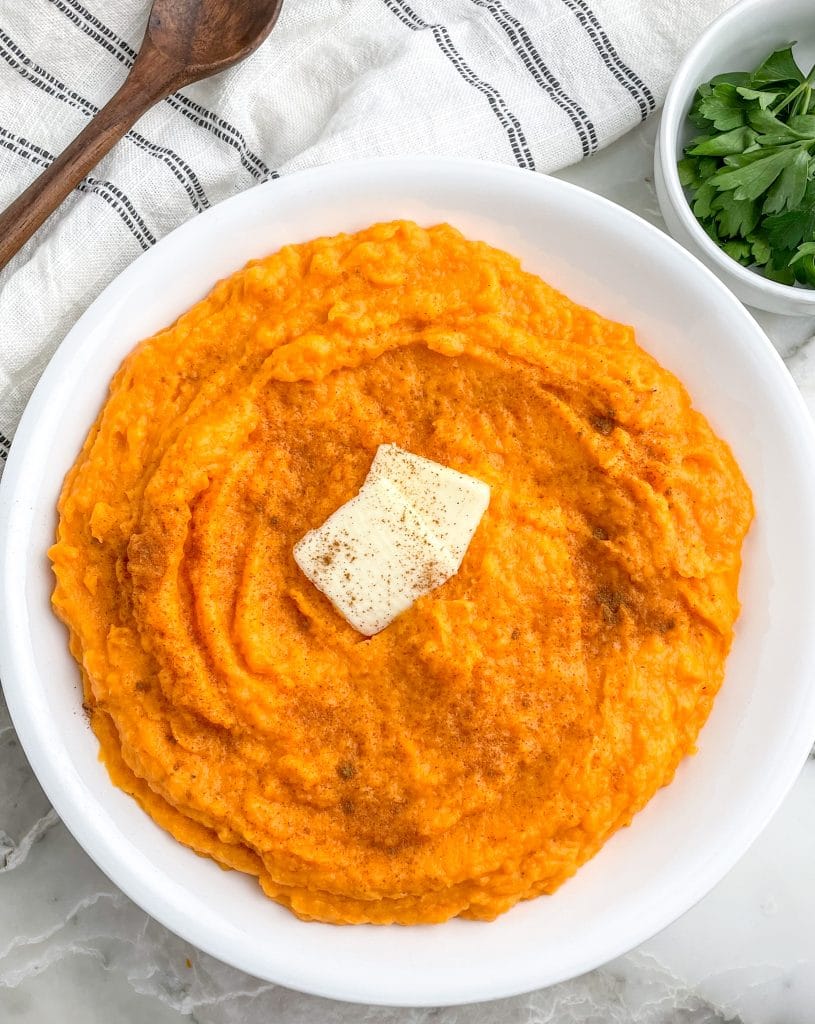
493,737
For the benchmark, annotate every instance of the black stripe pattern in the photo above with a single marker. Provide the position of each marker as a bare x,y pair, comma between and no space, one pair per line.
5,445
106,190
96,30
224,131
508,121
534,64
16,59
612,60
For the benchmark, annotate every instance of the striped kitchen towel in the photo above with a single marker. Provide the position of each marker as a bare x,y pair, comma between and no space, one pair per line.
536,83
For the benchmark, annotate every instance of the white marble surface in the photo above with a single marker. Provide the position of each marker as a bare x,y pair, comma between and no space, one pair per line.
73,949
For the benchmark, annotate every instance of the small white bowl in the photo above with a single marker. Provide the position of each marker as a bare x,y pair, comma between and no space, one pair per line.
737,41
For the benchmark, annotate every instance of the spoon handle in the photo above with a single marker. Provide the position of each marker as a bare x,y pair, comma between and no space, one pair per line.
151,78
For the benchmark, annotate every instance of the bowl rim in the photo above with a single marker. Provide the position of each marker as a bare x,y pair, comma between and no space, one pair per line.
683,84
75,803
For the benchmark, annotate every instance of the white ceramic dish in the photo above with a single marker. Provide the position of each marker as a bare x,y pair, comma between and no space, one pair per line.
764,720
737,41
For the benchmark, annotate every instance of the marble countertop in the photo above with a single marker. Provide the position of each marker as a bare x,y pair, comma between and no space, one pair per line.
74,949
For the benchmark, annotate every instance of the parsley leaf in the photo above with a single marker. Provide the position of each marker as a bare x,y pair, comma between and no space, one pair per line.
750,173
750,181
739,251
735,216
788,230
807,249
765,122
723,108
781,272
764,99
735,78
803,125
760,248
689,174
778,67
704,197
803,263
789,189
735,141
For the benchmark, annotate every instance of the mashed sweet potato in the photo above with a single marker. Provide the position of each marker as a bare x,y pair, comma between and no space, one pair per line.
490,740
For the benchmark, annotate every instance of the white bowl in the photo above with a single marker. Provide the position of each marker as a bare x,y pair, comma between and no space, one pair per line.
737,41
762,724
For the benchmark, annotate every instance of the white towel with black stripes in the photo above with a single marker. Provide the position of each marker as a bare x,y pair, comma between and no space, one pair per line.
537,83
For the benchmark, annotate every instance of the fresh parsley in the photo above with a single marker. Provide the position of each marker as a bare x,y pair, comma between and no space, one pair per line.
750,172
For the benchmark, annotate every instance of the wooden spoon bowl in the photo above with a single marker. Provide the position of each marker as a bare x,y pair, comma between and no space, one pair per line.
206,36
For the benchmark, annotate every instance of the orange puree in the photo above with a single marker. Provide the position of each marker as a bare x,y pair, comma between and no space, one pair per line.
493,737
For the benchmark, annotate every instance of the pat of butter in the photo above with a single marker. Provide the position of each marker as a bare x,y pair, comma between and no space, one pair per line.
403,535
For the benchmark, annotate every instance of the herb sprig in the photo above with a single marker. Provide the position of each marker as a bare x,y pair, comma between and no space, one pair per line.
751,172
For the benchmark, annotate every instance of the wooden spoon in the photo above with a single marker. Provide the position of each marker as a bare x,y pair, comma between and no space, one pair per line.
185,41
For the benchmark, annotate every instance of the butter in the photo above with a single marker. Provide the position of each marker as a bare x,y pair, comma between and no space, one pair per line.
403,535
